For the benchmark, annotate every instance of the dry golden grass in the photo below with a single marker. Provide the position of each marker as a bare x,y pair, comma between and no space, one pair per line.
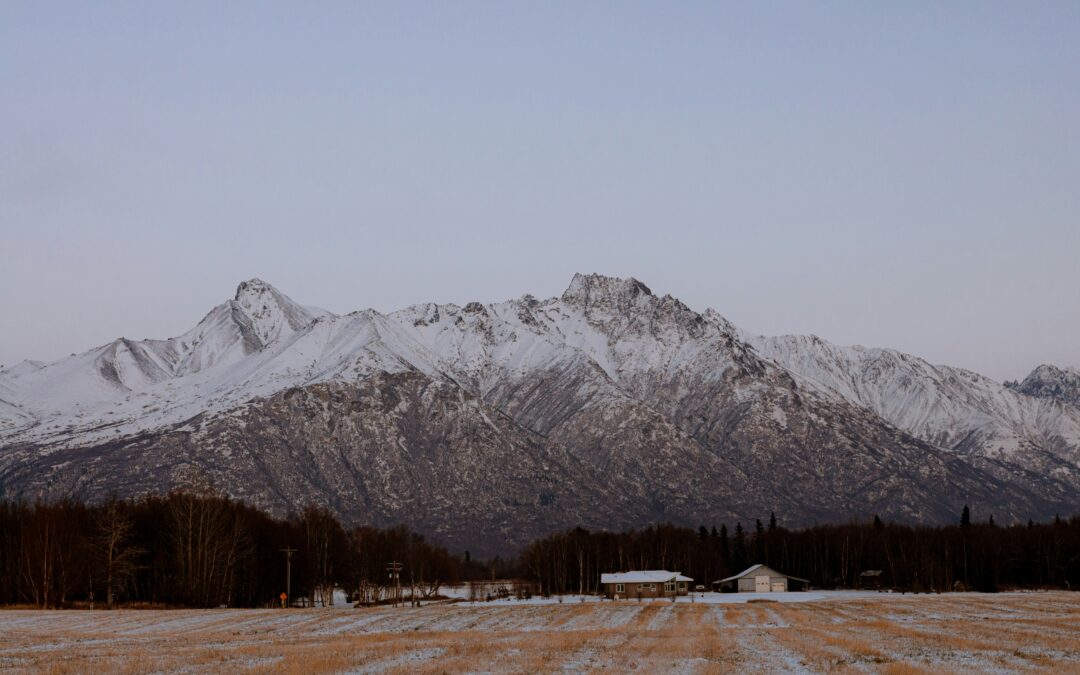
887,634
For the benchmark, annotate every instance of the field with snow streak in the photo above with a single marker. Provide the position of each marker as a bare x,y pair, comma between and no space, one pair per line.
886,633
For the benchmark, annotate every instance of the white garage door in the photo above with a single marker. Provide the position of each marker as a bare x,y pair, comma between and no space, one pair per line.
779,586
761,584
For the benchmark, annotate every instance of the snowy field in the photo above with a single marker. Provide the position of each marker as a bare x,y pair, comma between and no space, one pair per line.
867,632
709,598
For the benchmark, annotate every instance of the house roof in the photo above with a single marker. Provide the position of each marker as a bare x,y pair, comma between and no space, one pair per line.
753,568
642,577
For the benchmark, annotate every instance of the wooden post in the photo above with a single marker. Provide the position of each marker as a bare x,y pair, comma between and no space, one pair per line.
287,597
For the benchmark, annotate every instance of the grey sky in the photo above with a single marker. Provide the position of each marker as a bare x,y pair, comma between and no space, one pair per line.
893,174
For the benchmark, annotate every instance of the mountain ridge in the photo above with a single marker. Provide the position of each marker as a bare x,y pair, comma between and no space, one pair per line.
646,408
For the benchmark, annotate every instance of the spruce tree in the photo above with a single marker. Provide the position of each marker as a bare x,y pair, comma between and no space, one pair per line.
965,517
738,554
759,541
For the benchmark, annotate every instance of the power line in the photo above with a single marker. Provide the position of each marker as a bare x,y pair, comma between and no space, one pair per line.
394,571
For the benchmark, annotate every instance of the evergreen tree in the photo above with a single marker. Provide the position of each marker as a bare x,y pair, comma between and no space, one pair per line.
725,546
877,522
702,533
759,542
714,534
772,521
965,523
738,555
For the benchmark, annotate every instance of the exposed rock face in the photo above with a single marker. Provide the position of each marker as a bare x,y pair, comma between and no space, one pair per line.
1061,384
952,408
487,425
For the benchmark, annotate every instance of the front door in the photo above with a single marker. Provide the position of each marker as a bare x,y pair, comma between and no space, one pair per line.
761,584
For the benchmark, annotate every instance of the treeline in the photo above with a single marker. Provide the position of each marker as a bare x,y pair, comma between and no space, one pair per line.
975,556
203,551
206,551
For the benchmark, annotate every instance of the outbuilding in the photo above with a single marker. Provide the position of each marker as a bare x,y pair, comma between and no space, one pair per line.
870,579
645,584
761,579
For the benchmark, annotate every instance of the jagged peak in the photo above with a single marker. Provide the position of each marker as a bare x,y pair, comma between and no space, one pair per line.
1048,370
253,287
590,288
270,312
1049,381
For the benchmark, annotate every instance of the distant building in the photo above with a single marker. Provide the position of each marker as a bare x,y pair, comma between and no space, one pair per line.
645,584
870,579
762,579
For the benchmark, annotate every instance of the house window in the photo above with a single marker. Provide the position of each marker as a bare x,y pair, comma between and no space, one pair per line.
670,587
620,588
647,587
682,585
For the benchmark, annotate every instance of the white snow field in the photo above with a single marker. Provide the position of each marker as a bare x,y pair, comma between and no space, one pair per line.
863,632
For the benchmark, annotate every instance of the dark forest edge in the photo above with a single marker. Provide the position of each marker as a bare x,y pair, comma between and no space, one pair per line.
186,550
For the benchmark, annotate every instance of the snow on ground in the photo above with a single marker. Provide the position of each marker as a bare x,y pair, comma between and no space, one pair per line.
702,598
822,631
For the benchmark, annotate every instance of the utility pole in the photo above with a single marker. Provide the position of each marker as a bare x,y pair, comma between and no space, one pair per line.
393,569
288,551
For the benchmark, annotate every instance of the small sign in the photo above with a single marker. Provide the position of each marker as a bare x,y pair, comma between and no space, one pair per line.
283,597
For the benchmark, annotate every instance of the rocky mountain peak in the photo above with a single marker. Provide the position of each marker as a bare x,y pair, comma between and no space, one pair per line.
1047,381
253,287
588,290
271,312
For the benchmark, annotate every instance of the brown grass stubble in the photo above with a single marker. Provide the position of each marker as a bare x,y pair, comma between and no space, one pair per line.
896,635
934,634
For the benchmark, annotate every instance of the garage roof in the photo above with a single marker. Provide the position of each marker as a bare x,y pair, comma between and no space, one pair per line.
753,568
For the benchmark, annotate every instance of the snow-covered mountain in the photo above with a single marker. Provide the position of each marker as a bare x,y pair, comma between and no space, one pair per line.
491,423
952,408
1061,384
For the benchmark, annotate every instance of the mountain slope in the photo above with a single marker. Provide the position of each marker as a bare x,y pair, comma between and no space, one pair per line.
489,424
949,407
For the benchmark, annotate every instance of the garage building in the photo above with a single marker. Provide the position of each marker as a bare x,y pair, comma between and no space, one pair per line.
762,579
